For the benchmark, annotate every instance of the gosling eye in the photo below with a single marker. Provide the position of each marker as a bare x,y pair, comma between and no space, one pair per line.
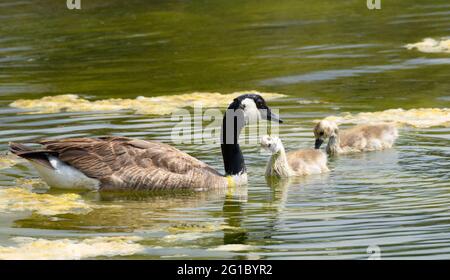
321,133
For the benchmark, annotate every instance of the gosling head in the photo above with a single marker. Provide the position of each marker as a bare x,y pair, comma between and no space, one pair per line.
272,144
324,130
254,107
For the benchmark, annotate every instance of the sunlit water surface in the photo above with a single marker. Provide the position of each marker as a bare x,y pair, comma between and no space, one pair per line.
328,58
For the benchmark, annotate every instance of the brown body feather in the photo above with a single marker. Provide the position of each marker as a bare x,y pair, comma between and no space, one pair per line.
300,158
352,137
123,163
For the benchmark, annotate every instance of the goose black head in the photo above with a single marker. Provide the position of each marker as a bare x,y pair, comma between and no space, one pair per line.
244,109
254,107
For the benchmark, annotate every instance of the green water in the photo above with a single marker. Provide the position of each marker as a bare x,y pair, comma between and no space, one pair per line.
340,53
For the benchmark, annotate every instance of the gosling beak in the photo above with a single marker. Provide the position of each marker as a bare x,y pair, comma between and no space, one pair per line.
318,143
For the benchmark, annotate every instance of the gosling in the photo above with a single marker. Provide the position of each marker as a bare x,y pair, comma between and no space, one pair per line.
294,163
361,138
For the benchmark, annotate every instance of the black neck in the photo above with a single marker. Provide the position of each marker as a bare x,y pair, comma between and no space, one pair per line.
233,159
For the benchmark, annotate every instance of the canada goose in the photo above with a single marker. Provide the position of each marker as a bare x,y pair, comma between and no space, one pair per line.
113,163
294,163
360,138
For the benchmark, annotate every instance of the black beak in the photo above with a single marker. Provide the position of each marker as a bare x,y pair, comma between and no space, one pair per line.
268,115
318,143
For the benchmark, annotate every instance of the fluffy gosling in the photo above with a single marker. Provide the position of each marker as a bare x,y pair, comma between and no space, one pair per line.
295,163
360,138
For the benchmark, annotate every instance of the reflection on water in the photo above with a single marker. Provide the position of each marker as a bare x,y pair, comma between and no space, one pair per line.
327,58
357,71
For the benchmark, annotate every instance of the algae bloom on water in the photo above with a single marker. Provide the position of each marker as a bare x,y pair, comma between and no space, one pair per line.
419,118
28,248
430,45
8,161
140,105
20,199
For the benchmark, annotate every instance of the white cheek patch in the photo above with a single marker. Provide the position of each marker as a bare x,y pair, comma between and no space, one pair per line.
251,112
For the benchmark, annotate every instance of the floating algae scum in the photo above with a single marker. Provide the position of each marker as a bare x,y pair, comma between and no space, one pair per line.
161,105
430,45
116,76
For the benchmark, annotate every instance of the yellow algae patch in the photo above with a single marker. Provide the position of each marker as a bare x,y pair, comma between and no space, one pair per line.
194,228
187,236
420,118
233,248
160,105
198,228
194,231
307,102
33,183
28,248
7,161
429,45
20,199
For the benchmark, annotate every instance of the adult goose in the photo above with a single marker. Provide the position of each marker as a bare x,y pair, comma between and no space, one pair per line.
360,138
294,163
117,163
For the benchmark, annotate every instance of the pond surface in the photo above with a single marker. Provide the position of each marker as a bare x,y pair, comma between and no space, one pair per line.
327,58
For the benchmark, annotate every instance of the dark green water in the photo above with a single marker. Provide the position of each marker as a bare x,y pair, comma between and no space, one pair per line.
343,55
